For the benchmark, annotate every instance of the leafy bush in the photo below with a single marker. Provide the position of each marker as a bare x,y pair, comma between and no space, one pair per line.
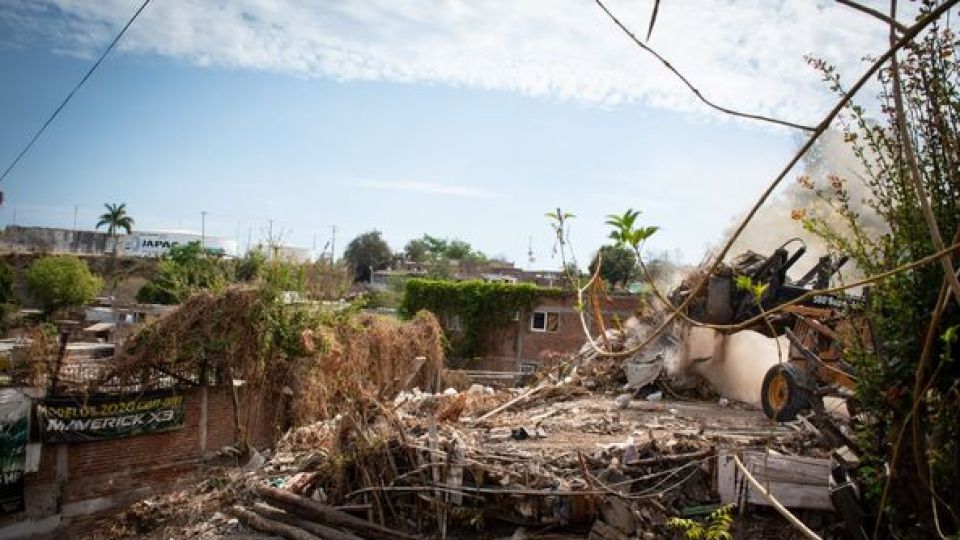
715,527
907,384
63,281
185,271
250,266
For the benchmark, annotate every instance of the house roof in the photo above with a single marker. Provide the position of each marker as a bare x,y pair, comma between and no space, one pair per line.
100,327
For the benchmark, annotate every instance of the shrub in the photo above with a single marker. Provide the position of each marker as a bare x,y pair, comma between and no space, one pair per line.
60,282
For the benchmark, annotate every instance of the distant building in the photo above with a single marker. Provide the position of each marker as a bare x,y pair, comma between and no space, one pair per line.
288,254
137,244
158,243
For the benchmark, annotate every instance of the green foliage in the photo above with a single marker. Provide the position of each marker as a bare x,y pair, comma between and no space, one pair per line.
6,283
62,281
279,276
715,527
185,271
390,297
249,268
618,266
558,222
444,249
115,218
367,252
417,250
893,376
481,307
626,230
756,290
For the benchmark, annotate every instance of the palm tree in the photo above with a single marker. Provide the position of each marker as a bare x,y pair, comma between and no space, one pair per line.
115,218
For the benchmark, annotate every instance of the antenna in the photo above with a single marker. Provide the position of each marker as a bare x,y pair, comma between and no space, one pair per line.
530,258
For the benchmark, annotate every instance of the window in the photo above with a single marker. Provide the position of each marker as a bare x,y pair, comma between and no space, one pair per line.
543,321
453,323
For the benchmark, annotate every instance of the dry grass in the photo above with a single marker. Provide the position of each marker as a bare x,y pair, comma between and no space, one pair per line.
333,362
369,358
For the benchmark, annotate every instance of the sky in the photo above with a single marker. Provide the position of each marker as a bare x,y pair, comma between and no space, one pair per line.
459,119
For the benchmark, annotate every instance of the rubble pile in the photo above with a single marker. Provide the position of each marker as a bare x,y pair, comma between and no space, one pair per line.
617,373
482,462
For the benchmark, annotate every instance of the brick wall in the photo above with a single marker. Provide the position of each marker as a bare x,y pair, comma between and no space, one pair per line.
77,479
506,351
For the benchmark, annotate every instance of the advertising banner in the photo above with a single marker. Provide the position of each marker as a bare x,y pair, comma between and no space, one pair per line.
99,417
14,418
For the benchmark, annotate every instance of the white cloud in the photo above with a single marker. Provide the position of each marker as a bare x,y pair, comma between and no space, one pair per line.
426,187
745,55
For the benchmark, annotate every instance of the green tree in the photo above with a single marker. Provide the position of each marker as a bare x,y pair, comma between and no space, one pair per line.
250,266
618,265
115,218
367,252
62,281
458,250
417,250
183,272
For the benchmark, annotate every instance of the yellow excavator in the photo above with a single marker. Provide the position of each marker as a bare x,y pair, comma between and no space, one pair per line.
818,327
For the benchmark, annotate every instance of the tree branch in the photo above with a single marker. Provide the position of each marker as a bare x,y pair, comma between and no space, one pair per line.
690,85
908,36
874,13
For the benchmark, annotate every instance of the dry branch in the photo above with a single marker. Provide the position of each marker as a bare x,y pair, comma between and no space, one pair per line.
907,37
327,533
874,13
322,513
773,502
690,85
522,397
913,170
270,526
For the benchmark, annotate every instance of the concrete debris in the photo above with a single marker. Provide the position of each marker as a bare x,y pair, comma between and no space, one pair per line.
552,455
623,401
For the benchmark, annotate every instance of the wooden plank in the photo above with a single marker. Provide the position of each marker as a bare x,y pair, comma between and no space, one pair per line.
793,496
788,469
796,481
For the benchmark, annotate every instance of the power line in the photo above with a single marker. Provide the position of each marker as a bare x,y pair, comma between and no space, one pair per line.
74,91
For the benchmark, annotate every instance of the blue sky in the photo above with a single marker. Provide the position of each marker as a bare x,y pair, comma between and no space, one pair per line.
437,122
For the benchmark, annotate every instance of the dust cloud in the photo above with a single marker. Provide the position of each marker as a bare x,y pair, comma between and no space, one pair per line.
773,224
738,375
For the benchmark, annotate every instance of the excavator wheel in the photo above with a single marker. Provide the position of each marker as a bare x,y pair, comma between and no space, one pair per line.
784,392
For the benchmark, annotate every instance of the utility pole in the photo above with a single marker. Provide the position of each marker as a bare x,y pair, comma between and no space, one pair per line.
203,231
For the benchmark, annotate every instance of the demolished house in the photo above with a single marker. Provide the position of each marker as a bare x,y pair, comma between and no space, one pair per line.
350,427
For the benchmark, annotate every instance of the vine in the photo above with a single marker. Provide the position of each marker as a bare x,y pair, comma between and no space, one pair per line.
481,307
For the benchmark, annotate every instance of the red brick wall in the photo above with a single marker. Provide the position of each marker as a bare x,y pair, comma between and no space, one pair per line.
131,467
539,346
